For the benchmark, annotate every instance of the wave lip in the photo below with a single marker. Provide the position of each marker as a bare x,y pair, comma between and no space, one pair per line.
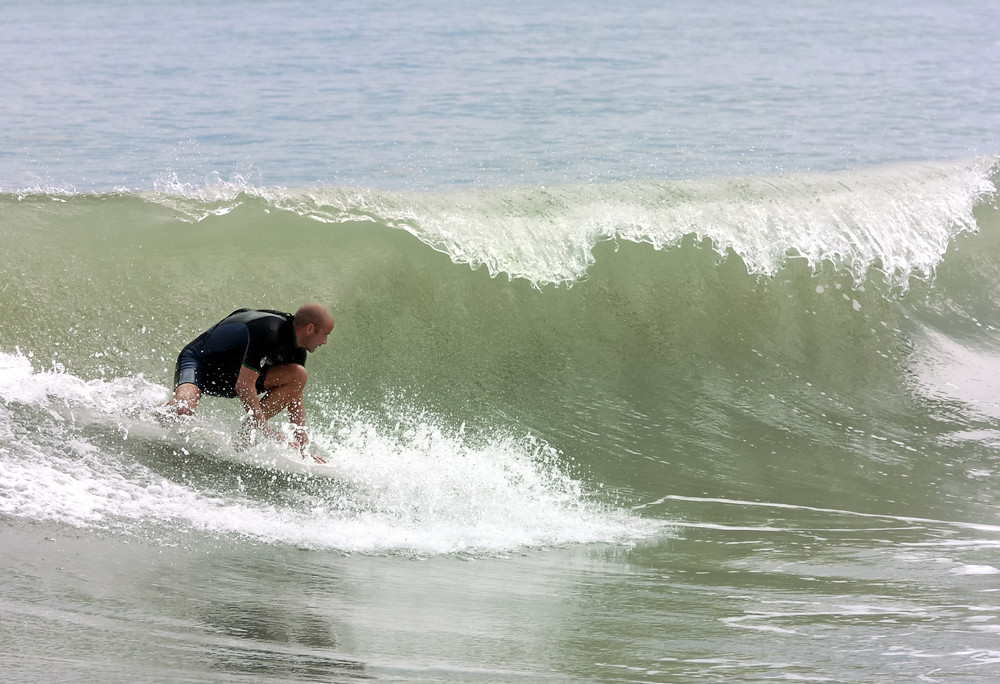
896,219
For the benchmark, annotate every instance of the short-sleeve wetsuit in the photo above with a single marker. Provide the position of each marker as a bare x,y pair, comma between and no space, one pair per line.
257,339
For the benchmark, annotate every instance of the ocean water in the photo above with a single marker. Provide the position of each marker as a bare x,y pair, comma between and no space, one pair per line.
665,351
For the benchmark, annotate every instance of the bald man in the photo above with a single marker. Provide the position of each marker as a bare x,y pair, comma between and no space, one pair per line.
250,353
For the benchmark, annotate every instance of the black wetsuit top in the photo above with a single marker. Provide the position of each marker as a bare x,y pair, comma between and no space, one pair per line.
257,339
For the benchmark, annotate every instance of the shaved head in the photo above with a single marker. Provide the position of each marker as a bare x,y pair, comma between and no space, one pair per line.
314,314
313,323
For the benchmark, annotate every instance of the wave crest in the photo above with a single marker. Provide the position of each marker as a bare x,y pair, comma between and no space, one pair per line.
896,219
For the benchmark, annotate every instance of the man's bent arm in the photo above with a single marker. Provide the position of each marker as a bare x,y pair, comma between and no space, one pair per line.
246,390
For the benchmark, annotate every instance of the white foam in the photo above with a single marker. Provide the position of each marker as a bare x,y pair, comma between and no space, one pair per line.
975,570
414,488
20,383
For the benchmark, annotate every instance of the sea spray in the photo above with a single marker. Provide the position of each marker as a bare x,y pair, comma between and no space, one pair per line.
100,461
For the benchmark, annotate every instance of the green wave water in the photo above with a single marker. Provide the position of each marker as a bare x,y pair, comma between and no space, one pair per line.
737,337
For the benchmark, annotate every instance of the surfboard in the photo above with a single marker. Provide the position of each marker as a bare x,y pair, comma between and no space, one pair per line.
278,458
192,435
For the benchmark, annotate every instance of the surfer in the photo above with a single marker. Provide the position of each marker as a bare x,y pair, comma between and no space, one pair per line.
258,356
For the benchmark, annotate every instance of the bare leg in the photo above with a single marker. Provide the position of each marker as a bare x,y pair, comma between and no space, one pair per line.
285,386
186,398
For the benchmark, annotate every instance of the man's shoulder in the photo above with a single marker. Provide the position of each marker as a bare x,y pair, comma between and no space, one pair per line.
259,317
271,329
274,312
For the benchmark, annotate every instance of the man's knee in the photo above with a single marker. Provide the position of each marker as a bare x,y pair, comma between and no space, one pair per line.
185,408
292,376
185,399
299,374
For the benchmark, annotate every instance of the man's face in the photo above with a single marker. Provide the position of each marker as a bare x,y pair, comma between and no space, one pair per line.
315,336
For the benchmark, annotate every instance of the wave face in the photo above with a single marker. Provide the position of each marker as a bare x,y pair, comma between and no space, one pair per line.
828,337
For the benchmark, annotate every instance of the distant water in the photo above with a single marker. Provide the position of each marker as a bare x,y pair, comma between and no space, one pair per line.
414,96
665,350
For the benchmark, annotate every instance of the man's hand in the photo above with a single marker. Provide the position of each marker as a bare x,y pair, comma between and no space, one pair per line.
301,448
301,443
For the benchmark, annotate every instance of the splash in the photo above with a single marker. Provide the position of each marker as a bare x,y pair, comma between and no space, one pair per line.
79,452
